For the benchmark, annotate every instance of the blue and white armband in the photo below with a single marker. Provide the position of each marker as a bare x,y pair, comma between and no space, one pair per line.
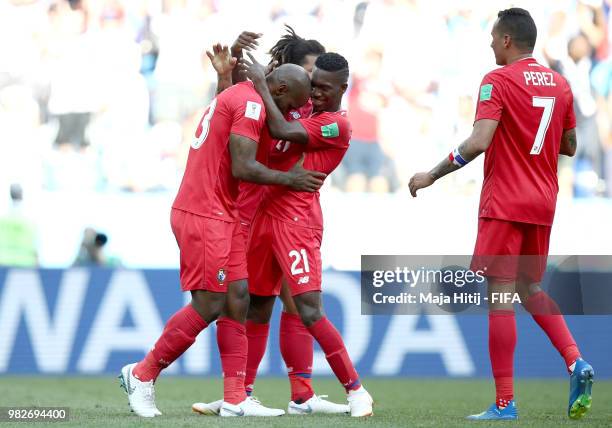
456,158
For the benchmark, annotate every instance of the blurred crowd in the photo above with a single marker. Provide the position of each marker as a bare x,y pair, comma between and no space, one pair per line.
104,95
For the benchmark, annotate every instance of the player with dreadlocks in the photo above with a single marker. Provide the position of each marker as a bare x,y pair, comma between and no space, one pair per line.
293,49
296,342
289,49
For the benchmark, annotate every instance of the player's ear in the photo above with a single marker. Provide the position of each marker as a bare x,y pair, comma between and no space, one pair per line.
343,88
507,40
282,89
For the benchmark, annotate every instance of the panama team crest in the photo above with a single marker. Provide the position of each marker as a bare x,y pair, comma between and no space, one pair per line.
221,275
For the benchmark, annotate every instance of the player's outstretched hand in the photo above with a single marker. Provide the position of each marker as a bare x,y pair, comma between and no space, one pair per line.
420,180
252,69
247,40
221,59
303,179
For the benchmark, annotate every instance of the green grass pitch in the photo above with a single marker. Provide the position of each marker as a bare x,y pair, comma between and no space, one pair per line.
99,402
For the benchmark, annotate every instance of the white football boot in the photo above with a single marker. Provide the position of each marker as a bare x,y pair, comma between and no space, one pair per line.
209,409
316,404
360,402
141,395
249,407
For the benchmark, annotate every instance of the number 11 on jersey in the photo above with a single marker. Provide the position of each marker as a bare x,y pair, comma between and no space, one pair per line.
548,103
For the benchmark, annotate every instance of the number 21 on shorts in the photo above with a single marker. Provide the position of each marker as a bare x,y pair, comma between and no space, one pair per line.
299,257
548,103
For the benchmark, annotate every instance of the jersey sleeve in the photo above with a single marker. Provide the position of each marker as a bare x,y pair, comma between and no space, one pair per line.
326,131
569,121
490,98
248,117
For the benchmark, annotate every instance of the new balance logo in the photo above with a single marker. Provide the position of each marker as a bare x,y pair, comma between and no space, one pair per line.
304,280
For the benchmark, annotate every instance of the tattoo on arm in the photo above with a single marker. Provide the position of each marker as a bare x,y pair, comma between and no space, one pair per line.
571,137
568,143
443,168
447,166
470,149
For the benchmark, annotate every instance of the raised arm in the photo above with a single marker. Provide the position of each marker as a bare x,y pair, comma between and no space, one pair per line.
245,167
224,59
568,142
247,40
224,64
279,127
476,143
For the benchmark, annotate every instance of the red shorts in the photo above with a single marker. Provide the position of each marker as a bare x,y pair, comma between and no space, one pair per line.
508,250
237,267
278,249
206,253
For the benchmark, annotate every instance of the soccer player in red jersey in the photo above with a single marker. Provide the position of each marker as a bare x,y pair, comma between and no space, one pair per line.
296,342
287,231
524,120
205,223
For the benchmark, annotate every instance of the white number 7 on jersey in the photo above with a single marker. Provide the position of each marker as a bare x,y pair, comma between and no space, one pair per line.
548,103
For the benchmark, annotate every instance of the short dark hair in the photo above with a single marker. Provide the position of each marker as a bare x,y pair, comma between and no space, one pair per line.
293,49
333,62
519,25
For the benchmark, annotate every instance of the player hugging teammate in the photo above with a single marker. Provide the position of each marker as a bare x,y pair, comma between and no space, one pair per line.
212,216
248,207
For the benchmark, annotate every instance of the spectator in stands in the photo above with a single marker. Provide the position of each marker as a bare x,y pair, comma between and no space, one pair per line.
18,244
364,159
576,68
79,60
181,86
601,78
72,67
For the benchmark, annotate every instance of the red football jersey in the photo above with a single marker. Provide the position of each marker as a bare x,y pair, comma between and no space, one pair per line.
533,105
268,151
329,134
208,188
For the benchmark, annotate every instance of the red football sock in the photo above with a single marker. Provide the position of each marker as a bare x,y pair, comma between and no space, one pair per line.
548,316
502,341
233,344
178,335
257,337
297,347
331,342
